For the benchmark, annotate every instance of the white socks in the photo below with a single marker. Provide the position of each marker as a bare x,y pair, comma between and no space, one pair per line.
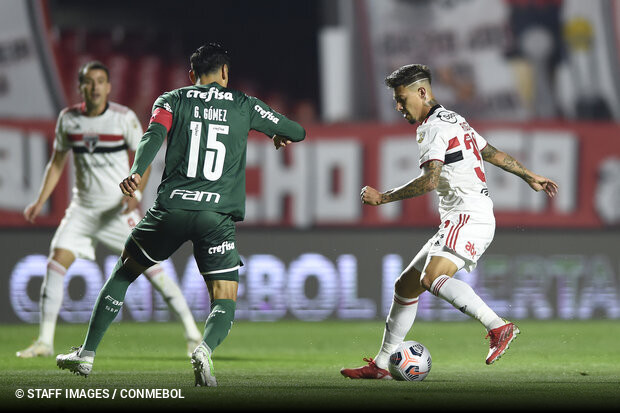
52,291
403,312
397,325
173,296
463,297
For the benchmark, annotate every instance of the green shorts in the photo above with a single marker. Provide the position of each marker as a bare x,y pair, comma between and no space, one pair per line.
161,232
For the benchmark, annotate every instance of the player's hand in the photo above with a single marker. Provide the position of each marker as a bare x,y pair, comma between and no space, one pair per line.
130,184
129,204
370,196
32,211
540,183
280,141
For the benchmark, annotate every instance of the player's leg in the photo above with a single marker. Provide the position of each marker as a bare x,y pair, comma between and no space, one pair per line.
399,321
218,261
223,295
50,301
107,307
73,239
153,240
404,308
438,279
173,296
466,236
111,298
113,235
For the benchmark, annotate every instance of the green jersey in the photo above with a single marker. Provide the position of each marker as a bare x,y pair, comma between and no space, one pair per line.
208,128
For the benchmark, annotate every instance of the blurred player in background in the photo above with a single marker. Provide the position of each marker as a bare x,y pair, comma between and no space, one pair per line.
451,155
100,133
201,196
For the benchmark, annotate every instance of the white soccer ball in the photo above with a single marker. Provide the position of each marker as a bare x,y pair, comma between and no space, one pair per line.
411,361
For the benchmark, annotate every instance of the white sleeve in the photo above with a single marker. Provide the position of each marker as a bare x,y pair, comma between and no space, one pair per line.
61,143
433,145
133,130
480,141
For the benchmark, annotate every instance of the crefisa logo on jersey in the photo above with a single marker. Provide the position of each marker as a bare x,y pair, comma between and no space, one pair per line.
212,93
266,114
90,141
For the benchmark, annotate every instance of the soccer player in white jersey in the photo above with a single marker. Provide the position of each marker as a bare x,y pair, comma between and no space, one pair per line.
100,133
451,156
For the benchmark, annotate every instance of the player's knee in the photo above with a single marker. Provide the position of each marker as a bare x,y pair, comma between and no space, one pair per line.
427,279
408,283
63,257
403,283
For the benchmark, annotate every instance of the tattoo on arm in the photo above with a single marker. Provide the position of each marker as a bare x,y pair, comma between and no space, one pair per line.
419,186
505,161
489,152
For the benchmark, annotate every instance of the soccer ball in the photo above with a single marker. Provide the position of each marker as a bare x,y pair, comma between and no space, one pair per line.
411,361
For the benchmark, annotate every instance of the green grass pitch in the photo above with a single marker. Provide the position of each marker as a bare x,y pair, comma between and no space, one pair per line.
293,366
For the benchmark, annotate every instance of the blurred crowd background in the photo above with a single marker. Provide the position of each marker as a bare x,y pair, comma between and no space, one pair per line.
147,45
492,59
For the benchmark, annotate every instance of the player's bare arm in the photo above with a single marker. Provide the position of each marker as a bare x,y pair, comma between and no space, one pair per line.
427,182
509,164
53,171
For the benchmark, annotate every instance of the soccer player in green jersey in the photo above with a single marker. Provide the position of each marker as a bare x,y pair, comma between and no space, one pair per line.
201,196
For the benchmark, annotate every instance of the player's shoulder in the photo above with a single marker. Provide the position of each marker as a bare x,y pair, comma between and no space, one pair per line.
440,119
114,107
73,110
178,91
441,116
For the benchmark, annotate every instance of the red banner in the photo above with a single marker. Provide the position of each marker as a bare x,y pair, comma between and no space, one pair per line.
316,183
583,158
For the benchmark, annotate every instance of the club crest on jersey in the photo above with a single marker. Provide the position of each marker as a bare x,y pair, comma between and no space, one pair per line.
90,141
421,136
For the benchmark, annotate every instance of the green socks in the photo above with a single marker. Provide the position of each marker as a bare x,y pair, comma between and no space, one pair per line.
108,304
110,301
219,322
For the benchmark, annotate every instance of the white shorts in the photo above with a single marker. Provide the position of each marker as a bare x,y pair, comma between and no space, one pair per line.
82,229
462,238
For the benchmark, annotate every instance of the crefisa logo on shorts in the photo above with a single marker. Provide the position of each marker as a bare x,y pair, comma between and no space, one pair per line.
222,248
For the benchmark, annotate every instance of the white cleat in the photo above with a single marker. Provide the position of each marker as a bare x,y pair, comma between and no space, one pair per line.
80,365
192,344
204,373
36,349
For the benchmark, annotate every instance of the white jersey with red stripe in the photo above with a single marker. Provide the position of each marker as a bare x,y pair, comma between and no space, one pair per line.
100,145
467,222
446,136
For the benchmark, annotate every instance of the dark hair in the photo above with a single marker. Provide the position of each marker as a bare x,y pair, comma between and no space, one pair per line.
209,58
406,75
94,64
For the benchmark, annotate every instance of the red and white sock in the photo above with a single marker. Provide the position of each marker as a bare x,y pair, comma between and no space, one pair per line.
463,298
397,325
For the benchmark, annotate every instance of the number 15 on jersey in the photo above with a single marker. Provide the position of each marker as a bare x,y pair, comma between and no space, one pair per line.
215,153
